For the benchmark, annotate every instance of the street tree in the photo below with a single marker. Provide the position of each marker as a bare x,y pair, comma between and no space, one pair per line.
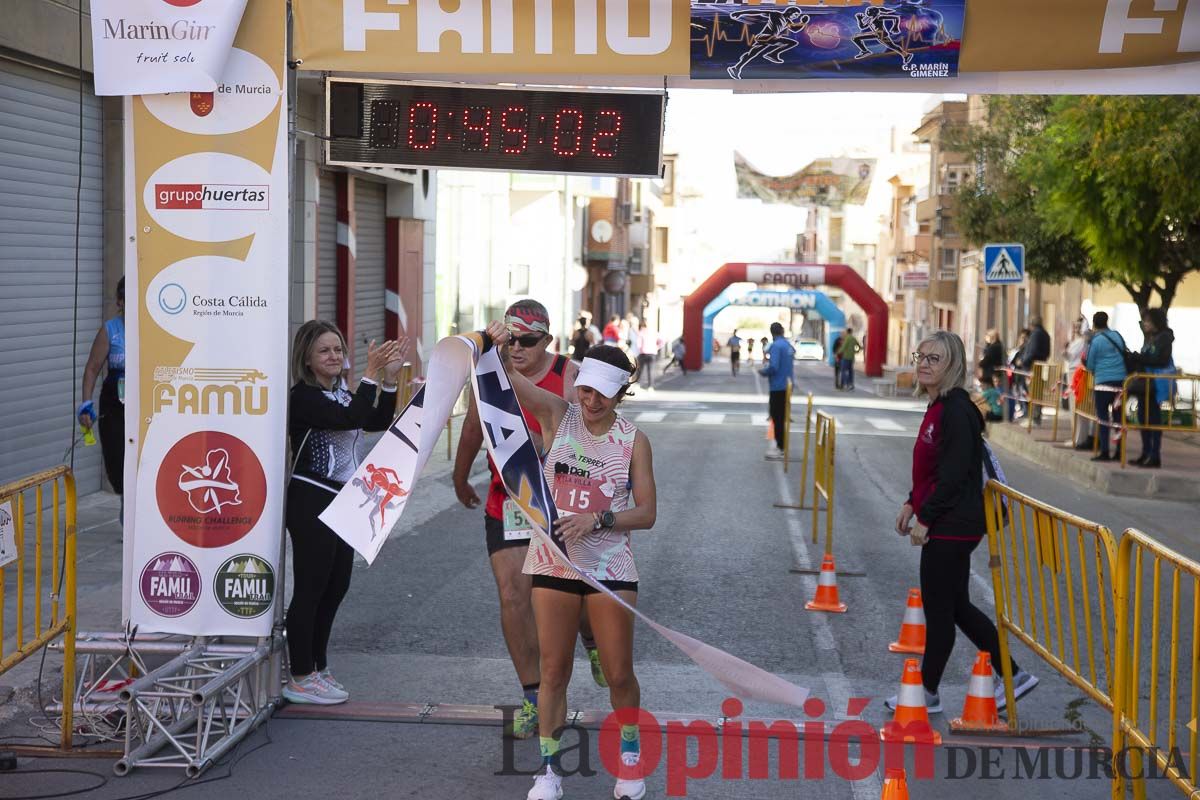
1098,188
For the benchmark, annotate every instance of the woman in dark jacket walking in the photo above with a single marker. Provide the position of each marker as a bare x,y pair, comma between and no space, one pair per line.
944,514
1154,357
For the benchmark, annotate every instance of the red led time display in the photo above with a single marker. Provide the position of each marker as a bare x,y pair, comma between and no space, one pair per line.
518,130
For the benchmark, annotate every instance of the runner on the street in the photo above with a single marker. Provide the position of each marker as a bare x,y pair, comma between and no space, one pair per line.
750,351
601,474
506,530
735,352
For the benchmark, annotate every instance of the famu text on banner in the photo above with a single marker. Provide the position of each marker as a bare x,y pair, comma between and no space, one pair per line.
158,46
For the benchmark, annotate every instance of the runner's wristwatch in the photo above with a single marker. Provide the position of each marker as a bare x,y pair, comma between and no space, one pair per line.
605,519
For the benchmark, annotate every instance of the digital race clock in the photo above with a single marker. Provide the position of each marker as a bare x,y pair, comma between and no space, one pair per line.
374,123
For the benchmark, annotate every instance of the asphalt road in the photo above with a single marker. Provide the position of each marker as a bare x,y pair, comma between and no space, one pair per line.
421,625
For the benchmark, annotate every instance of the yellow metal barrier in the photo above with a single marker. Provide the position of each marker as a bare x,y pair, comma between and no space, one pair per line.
22,503
1177,420
1052,573
808,426
787,427
1140,563
823,483
1045,391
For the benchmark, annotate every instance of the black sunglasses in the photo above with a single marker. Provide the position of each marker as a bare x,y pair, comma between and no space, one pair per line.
528,340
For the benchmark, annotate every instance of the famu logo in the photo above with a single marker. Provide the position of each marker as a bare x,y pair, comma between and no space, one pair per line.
212,197
197,390
245,586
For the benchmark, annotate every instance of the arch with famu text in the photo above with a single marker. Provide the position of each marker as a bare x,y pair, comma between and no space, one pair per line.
797,276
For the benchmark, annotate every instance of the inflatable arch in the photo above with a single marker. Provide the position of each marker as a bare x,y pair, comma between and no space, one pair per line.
796,276
797,299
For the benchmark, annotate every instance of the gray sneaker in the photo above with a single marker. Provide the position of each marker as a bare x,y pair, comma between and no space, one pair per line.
327,676
311,690
1023,684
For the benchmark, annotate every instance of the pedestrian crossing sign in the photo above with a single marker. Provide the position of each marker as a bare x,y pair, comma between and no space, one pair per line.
1003,264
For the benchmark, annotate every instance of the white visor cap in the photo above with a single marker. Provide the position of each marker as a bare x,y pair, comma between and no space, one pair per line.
605,378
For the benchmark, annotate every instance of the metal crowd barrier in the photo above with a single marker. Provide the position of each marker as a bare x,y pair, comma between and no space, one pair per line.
45,589
1045,391
1176,419
823,483
1051,573
808,427
1174,642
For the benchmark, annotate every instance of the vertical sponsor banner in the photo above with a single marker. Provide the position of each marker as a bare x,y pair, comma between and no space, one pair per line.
207,253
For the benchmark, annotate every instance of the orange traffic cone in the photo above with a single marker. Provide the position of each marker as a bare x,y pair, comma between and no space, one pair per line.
827,591
894,785
979,712
911,720
912,629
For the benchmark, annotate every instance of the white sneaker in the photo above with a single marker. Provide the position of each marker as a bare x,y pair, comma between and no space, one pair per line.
546,786
311,690
1023,684
774,451
327,678
632,788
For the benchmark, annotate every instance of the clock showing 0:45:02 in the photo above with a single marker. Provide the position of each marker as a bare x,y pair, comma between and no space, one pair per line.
514,130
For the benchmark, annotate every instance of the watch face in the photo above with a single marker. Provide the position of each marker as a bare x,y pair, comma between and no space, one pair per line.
602,231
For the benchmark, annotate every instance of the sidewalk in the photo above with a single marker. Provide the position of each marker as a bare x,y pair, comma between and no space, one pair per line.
1178,479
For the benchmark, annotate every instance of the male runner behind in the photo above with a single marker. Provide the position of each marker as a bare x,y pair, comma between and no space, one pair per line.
773,40
735,352
506,529
880,24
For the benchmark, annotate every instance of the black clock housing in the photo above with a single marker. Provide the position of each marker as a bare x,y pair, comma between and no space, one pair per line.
378,123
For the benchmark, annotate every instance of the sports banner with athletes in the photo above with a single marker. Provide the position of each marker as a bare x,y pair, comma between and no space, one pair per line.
901,39
207,379
368,507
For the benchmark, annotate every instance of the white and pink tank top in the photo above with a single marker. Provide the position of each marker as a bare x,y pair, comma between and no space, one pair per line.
587,475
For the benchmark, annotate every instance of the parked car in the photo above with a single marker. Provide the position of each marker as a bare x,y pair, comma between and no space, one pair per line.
809,350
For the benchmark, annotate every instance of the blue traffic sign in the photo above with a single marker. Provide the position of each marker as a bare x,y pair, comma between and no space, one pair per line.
1003,264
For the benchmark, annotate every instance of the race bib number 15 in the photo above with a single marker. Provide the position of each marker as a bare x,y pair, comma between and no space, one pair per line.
575,494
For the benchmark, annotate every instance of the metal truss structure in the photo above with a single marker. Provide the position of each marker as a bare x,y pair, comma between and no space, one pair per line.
185,713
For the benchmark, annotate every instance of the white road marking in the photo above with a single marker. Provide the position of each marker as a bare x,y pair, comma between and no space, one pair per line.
710,418
759,419
651,416
882,424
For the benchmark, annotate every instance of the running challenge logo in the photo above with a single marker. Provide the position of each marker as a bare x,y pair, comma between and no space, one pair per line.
383,491
212,197
211,489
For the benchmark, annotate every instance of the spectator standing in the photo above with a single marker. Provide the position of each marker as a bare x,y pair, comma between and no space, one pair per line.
1155,356
1037,349
612,331
581,340
993,356
1106,361
849,348
1072,373
837,362
1018,383
778,368
678,351
648,345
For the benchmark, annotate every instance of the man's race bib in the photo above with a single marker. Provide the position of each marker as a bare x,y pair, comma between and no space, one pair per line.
516,526
575,494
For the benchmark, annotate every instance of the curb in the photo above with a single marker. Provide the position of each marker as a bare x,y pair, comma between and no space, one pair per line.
1123,482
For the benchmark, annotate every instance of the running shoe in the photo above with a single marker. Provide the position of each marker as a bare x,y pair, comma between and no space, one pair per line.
774,451
597,672
629,786
1023,684
546,786
933,703
525,721
332,682
311,690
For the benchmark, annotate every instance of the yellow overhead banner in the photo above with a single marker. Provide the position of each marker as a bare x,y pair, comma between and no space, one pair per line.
653,37
597,37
